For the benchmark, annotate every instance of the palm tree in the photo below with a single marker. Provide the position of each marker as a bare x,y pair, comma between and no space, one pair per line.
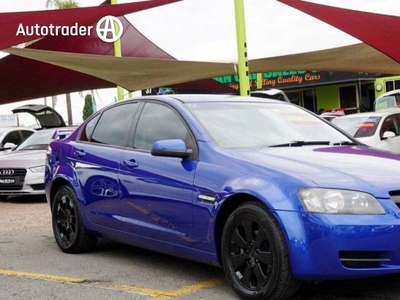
62,4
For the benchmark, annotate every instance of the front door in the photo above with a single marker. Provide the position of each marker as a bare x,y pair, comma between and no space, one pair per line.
156,191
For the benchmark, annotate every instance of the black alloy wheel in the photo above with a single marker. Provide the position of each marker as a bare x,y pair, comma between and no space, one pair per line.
69,231
254,255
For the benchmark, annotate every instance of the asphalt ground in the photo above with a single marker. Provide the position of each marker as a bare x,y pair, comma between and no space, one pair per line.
32,267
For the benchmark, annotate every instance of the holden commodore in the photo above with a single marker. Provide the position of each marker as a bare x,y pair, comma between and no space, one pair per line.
263,188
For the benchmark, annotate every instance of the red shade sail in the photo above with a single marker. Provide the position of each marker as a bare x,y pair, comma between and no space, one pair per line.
10,22
379,31
23,79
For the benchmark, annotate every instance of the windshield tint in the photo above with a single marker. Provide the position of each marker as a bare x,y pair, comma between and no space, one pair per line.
262,124
37,141
358,126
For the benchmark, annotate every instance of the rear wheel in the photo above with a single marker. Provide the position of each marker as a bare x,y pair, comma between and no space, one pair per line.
69,231
254,255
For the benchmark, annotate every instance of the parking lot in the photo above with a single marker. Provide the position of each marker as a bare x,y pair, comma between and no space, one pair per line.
32,267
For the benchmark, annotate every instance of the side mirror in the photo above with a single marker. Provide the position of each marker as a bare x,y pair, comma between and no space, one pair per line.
171,148
9,145
388,135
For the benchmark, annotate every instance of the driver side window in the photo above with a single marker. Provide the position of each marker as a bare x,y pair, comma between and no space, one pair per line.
159,122
389,124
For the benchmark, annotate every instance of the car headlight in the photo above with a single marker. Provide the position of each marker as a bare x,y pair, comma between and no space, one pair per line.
38,169
332,201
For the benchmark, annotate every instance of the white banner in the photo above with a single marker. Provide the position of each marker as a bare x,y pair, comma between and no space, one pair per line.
8,120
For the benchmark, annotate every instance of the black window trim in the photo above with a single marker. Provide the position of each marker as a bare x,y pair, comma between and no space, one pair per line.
134,124
100,114
195,151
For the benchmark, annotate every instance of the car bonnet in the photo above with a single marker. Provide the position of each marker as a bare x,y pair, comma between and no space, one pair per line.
23,159
343,167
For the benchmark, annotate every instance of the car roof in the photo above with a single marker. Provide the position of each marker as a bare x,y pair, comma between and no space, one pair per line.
196,98
9,128
393,92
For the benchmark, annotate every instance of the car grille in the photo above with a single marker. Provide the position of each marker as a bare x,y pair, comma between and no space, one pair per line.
12,179
362,259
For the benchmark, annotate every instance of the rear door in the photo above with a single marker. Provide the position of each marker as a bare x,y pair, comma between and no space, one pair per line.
97,156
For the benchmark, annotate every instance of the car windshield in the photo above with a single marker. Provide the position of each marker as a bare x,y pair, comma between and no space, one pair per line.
387,102
362,126
37,141
263,125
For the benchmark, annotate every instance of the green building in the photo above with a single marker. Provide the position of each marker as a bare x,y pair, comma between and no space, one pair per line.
315,90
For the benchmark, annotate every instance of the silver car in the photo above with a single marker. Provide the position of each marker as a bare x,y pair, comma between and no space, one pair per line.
13,136
22,170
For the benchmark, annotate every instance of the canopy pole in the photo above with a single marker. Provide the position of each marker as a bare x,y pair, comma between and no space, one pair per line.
244,81
118,53
259,81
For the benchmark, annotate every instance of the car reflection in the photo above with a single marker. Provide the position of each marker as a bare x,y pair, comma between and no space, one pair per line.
102,186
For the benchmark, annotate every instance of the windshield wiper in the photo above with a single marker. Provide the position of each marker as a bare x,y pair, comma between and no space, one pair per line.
344,143
302,143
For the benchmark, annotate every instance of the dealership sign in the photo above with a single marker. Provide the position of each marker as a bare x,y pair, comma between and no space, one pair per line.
293,79
274,79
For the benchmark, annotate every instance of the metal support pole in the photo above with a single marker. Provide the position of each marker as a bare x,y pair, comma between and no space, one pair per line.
259,81
118,53
244,81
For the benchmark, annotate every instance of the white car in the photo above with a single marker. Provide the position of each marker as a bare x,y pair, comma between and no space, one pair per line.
388,100
13,136
271,94
379,129
22,170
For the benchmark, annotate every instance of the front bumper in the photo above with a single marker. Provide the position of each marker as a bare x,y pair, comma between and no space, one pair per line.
325,246
23,183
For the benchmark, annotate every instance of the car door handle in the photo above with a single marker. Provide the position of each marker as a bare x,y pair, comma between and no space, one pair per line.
79,153
130,164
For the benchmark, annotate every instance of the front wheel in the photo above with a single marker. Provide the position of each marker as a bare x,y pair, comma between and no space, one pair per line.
68,228
254,255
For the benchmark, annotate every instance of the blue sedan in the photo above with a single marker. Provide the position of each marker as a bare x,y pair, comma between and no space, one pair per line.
266,189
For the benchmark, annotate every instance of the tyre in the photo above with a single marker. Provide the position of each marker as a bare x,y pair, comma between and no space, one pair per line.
70,233
255,256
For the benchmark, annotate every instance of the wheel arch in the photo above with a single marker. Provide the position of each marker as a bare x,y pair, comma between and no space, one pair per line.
57,183
226,209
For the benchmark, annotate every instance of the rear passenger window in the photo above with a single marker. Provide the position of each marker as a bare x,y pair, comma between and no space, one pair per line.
87,131
113,126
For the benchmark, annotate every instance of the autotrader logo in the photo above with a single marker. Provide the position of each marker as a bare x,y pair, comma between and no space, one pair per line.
109,29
